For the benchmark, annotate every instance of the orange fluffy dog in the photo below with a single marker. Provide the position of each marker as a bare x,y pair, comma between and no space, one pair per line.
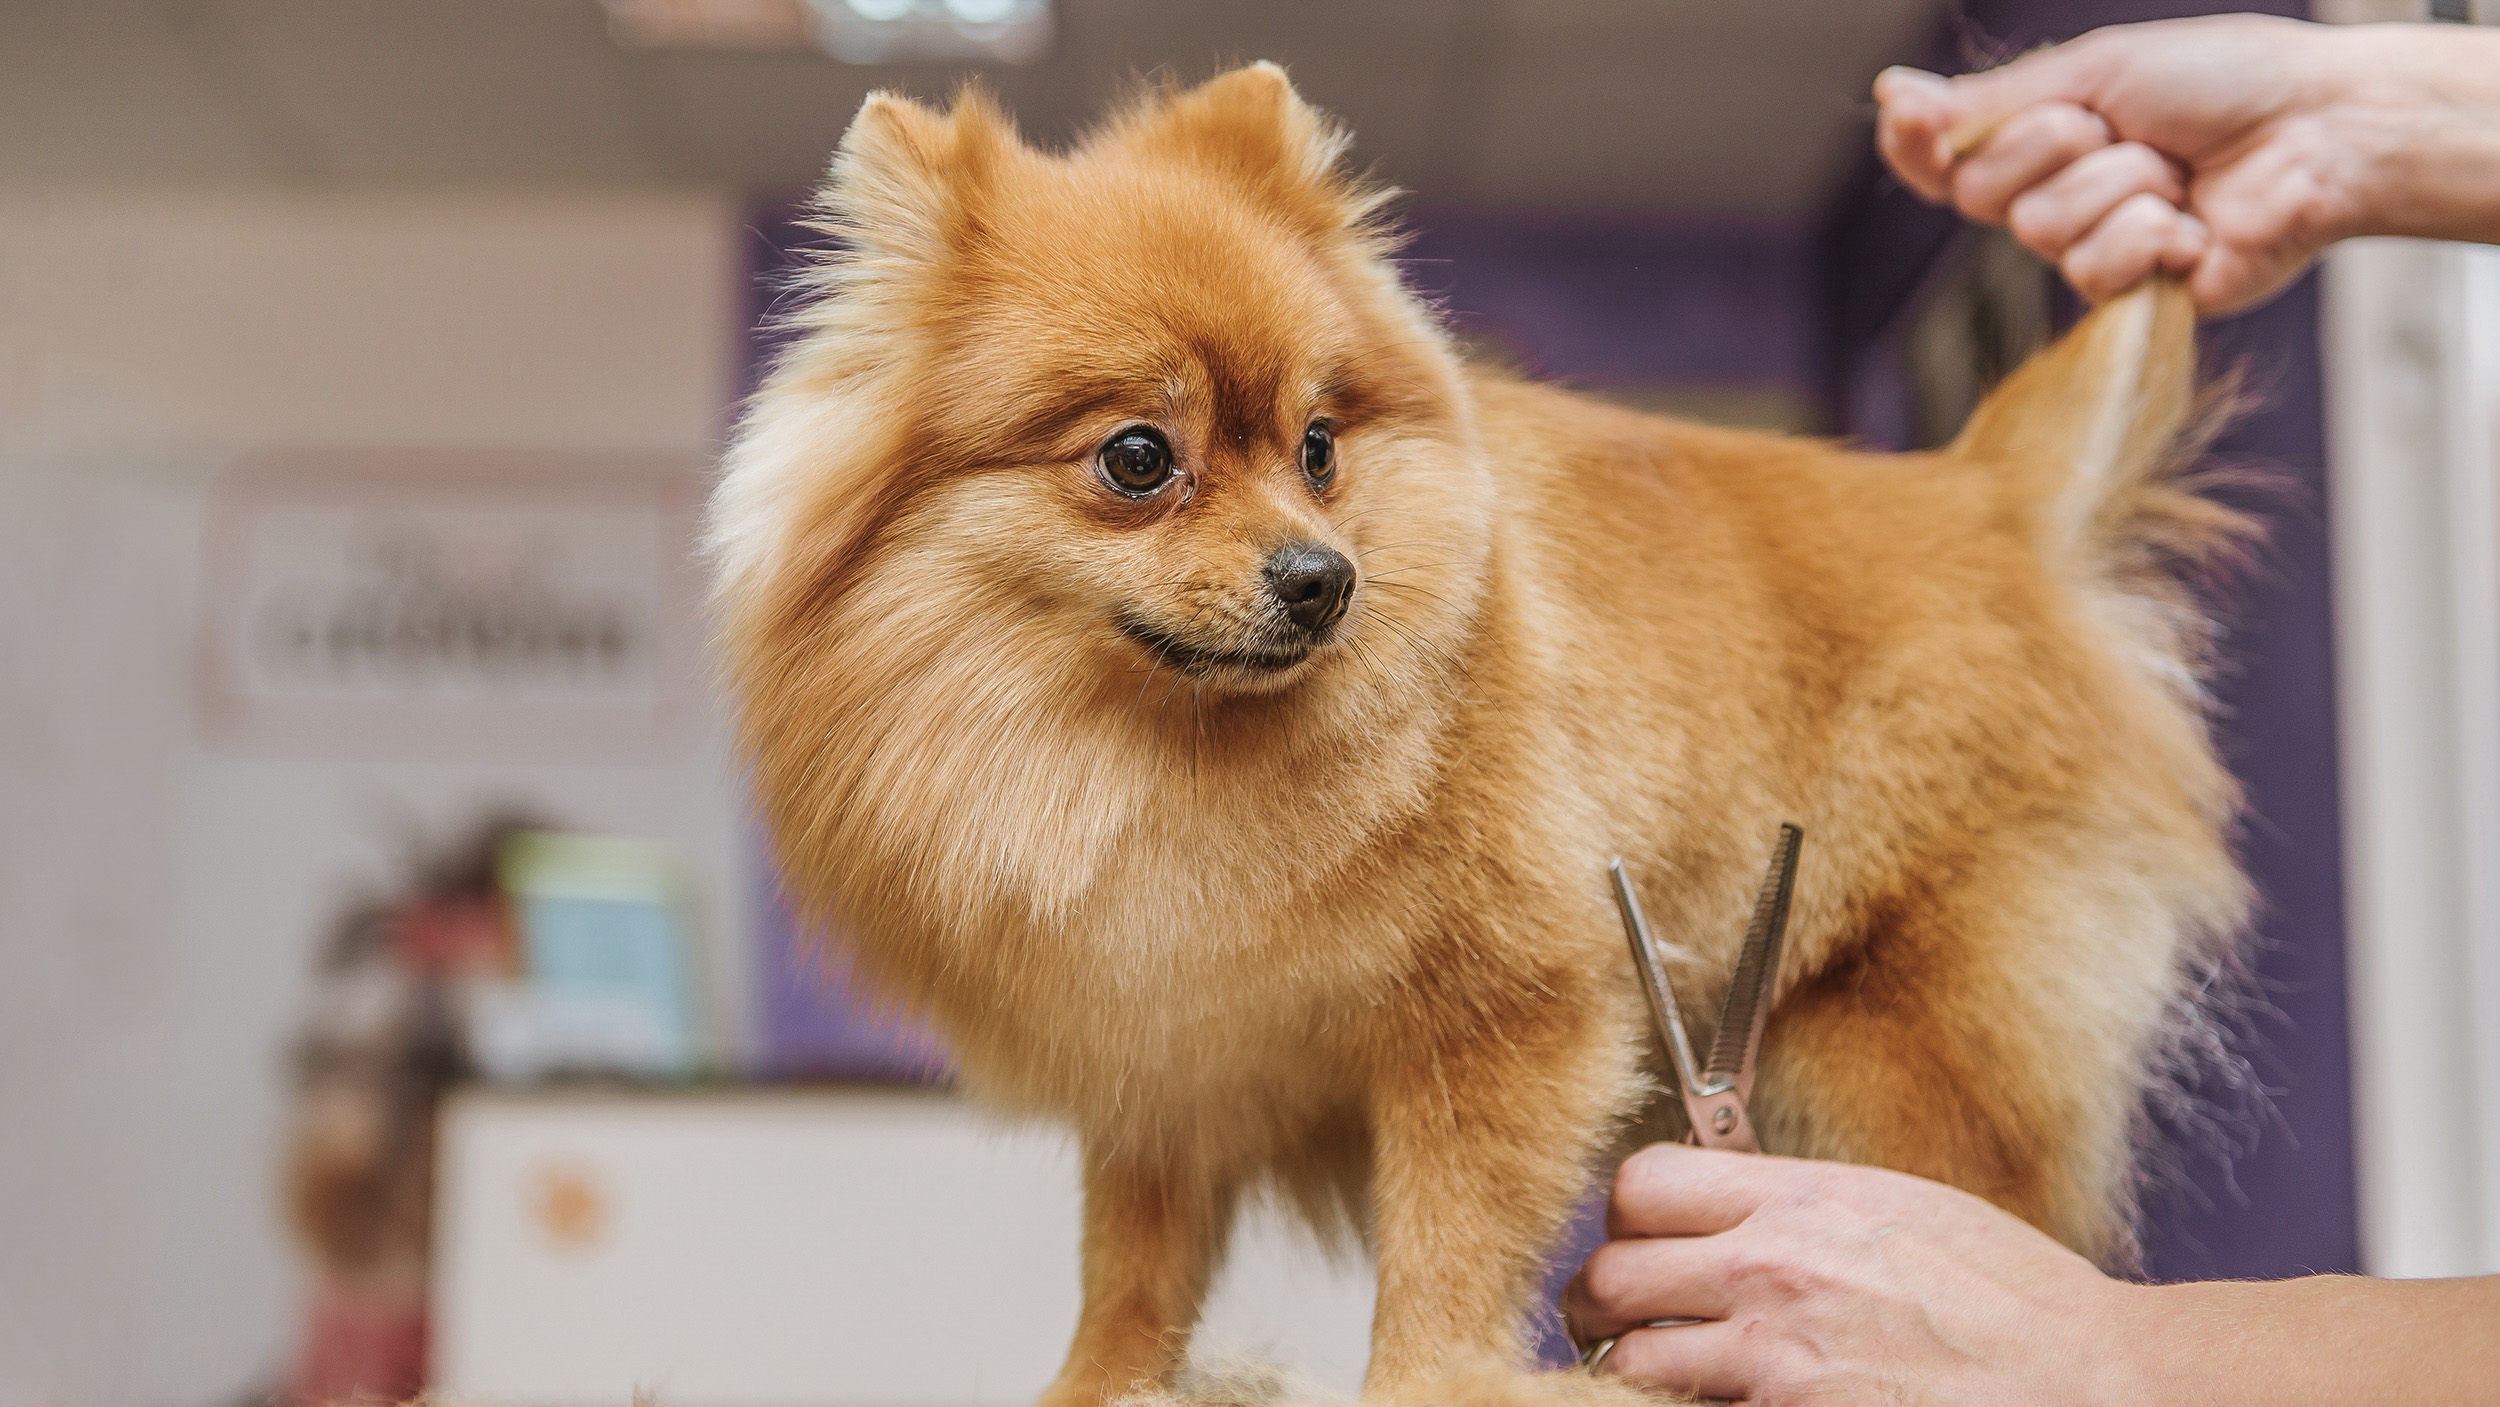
1214,705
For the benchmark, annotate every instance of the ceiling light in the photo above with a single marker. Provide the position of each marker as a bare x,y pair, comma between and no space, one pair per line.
855,31
896,31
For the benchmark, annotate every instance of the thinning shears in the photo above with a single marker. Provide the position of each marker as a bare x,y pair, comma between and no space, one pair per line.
1714,1095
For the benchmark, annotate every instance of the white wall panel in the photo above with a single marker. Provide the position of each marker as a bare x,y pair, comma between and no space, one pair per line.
160,898
2413,363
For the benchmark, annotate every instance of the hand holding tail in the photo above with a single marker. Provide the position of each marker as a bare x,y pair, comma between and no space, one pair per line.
2226,150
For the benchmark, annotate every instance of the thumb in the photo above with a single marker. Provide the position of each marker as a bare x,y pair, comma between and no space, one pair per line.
1915,109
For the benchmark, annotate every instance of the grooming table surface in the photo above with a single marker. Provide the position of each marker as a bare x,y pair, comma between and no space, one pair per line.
799,1248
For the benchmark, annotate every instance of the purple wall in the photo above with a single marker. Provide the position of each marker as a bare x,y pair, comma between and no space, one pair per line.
1626,301
810,1024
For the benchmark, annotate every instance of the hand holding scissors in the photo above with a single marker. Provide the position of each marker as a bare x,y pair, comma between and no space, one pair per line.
1714,1095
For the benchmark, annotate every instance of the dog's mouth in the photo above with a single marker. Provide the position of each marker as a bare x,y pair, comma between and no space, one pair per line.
1259,658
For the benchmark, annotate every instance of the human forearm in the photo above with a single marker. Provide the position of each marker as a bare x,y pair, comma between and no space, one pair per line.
2423,114
2330,1338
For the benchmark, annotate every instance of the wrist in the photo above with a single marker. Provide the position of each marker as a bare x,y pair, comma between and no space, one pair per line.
2417,118
2128,1344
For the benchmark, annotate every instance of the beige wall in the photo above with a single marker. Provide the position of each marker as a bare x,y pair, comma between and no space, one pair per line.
159,899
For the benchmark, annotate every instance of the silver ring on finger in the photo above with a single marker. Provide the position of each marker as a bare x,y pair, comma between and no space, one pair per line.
1598,1351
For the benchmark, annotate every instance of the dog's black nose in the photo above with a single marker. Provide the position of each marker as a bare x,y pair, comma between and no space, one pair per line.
1312,582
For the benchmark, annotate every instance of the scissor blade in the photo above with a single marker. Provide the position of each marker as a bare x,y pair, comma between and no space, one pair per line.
1748,1005
1663,1007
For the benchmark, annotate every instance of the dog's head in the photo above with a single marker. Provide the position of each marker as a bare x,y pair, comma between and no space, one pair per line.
1085,471
1156,405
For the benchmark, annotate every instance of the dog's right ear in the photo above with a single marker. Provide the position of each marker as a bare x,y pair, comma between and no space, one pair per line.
905,173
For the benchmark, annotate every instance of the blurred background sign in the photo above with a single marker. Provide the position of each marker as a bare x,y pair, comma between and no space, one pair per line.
450,603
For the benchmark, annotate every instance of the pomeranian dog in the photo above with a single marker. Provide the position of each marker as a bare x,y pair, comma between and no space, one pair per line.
1214,704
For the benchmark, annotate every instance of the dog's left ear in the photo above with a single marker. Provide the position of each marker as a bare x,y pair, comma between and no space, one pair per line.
1252,127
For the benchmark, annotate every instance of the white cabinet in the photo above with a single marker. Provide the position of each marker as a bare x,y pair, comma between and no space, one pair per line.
800,1248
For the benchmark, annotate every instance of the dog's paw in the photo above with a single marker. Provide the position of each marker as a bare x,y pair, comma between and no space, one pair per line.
1496,1387
1262,1385
1236,1384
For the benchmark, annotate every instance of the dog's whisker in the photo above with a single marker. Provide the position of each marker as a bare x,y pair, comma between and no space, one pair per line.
1432,650
1410,586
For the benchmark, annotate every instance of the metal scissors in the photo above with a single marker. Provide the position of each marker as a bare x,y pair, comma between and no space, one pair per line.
1714,1095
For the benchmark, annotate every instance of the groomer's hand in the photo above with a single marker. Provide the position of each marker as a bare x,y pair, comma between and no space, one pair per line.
1826,1283
2230,149
1842,1286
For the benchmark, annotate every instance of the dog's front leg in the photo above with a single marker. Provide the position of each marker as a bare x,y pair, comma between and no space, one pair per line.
1481,1150
1153,1233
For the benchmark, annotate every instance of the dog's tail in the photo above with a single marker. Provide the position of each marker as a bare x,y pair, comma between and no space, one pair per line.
2106,434
2110,426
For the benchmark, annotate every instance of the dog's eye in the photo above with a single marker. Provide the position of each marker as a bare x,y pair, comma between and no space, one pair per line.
1319,454
1137,461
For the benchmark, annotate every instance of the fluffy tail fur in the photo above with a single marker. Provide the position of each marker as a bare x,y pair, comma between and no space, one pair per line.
2114,423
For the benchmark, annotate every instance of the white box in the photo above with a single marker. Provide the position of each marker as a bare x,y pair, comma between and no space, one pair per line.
803,1248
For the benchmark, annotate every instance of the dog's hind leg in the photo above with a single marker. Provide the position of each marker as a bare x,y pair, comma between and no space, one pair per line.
1991,1076
1154,1234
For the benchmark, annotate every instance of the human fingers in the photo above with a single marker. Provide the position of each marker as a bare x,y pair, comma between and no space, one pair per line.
2228,277
1670,1189
1708,1361
1631,1282
2271,215
2054,214
1914,109
1927,123
2143,234
2077,71
2028,148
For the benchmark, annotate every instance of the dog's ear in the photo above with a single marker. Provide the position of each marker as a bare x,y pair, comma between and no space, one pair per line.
905,173
1250,126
